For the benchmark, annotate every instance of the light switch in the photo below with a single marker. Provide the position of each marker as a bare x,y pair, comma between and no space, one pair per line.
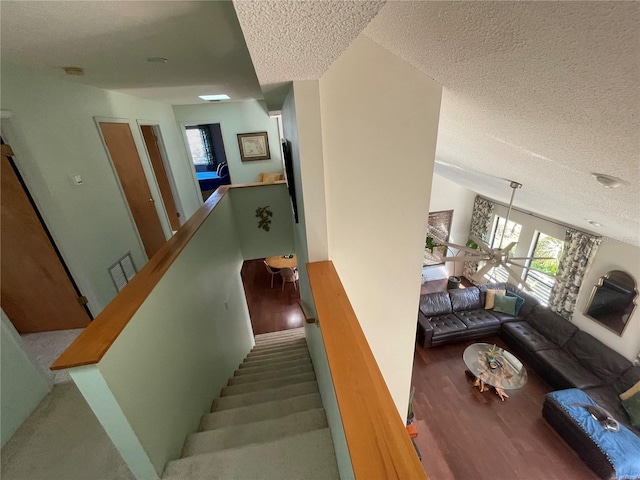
77,180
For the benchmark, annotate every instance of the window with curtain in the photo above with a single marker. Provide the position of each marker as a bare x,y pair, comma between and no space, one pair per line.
201,146
511,234
541,276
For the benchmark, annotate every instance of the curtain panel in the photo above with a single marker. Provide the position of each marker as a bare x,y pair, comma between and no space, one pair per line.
579,251
207,143
480,224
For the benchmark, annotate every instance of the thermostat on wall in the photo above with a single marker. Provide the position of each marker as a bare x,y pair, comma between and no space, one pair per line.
77,179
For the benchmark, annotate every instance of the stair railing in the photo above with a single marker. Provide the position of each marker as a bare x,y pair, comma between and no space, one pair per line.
378,443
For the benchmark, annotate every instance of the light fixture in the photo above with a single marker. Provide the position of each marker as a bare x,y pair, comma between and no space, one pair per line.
594,223
78,71
607,181
214,98
157,60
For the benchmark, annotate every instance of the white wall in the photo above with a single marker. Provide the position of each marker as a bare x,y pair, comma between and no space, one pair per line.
23,384
448,195
379,126
53,135
237,117
612,255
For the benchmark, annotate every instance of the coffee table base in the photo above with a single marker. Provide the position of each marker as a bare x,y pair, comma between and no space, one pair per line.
483,387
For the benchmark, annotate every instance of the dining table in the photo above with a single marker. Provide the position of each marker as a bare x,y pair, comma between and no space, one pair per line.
282,261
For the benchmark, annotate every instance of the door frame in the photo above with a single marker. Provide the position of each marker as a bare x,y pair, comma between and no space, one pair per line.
14,166
192,167
148,173
155,125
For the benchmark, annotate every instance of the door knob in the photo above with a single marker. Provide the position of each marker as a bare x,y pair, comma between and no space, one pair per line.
151,200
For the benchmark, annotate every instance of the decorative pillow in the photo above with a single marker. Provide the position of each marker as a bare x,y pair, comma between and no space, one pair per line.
505,304
631,403
270,177
519,301
490,296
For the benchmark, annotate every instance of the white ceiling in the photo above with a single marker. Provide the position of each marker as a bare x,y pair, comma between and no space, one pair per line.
111,40
543,93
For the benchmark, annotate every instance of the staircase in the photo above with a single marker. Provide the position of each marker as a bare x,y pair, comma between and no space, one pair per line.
268,422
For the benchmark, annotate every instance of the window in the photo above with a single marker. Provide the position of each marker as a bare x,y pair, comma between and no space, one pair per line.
541,274
511,234
196,145
438,229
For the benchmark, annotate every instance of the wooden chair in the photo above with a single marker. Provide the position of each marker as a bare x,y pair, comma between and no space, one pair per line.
289,275
272,271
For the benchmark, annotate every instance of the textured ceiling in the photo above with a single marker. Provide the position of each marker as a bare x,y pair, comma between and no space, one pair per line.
543,93
298,40
112,40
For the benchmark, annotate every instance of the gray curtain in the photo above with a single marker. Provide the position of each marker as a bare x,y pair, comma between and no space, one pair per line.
579,250
480,224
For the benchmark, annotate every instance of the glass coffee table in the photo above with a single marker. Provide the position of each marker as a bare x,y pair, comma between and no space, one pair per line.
507,373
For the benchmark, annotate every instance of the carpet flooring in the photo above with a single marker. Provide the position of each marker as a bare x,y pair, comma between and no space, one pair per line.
46,347
62,440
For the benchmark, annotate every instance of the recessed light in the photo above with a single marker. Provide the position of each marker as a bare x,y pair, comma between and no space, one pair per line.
607,181
157,60
78,71
214,97
594,223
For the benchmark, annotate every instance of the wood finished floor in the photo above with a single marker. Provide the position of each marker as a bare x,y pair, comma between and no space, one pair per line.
465,434
270,309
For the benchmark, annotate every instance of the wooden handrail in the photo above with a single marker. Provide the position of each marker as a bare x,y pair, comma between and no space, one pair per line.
95,340
378,443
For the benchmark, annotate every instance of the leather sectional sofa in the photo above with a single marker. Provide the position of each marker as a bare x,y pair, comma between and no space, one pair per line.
555,348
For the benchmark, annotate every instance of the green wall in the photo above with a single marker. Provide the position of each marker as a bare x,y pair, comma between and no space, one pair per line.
23,384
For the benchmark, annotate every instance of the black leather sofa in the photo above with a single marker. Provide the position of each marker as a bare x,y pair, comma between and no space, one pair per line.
459,314
555,348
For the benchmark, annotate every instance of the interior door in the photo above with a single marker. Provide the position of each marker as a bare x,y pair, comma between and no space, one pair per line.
37,292
125,158
151,141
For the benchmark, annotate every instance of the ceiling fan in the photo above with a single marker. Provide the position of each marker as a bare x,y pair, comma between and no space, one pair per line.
493,257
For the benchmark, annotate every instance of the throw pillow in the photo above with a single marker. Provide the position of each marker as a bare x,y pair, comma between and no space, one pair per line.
519,301
631,403
489,298
270,177
505,304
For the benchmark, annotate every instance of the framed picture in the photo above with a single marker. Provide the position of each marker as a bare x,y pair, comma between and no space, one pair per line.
254,146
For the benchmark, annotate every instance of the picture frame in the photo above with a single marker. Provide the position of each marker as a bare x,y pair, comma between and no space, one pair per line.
253,146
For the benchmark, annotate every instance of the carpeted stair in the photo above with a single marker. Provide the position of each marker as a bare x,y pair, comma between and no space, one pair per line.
268,423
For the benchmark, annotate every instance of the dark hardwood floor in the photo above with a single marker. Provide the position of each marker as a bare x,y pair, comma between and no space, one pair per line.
465,434
270,309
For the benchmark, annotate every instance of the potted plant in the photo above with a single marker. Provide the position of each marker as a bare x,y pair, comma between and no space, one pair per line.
410,416
492,356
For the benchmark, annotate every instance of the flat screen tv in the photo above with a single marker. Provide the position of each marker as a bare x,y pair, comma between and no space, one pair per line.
288,169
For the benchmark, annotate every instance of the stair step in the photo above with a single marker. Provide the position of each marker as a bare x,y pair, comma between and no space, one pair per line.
281,344
257,432
282,372
251,398
249,369
289,349
267,384
261,411
267,338
248,362
309,456
277,356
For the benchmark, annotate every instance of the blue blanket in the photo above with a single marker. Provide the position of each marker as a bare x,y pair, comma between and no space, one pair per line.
622,448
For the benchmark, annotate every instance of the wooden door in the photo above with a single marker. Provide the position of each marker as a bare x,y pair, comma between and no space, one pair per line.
151,141
36,291
125,158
